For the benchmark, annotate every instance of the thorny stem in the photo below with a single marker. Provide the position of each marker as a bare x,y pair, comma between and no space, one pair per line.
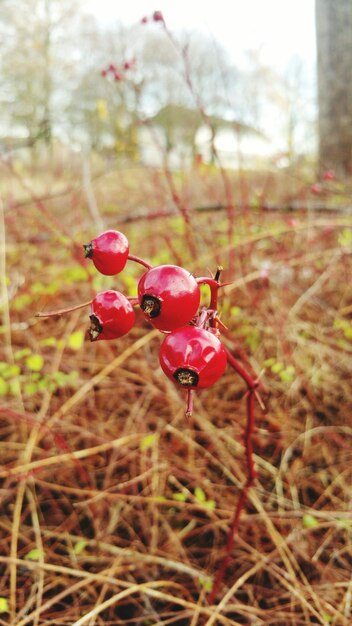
63,311
134,301
214,287
251,473
183,50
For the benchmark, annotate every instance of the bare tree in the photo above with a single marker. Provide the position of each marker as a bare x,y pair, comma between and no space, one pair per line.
33,64
334,47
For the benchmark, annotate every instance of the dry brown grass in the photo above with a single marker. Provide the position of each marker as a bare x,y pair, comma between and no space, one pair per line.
115,509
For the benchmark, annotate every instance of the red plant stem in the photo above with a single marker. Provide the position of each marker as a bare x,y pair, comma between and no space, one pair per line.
63,311
189,408
250,382
214,287
251,474
137,259
207,121
133,300
180,205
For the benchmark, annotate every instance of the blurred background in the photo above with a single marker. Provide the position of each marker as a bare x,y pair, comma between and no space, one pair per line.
253,69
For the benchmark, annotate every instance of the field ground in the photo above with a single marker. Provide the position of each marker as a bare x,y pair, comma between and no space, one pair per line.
115,507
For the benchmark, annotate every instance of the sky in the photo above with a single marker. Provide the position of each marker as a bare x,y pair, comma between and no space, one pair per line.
279,28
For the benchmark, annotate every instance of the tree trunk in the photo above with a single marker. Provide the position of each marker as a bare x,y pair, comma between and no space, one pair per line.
334,51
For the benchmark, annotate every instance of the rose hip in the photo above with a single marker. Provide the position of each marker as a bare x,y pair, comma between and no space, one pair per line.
109,252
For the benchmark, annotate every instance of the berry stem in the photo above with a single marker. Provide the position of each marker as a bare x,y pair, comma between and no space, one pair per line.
213,286
63,311
137,259
189,408
251,473
133,300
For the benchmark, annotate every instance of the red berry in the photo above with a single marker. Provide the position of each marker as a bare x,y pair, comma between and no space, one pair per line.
128,65
158,16
193,357
112,316
316,188
329,175
109,252
169,296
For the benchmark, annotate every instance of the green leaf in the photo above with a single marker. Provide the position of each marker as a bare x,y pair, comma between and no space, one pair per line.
79,546
76,340
3,387
180,497
235,311
20,354
49,342
130,284
11,371
309,521
147,442
348,332
30,388
35,362
277,367
340,323
206,583
200,495
22,301
4,605
345,238
287,375
76,274
210,504
35,554
14,387
269,362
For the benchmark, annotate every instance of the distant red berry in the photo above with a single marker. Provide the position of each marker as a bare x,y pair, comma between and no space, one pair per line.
144,20
112,316
103,73
109,252
128,65
316,188
169,296
329,175
192,357
158,16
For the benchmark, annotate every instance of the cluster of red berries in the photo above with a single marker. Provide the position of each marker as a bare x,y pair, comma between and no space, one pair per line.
111,71
156,17
169,296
